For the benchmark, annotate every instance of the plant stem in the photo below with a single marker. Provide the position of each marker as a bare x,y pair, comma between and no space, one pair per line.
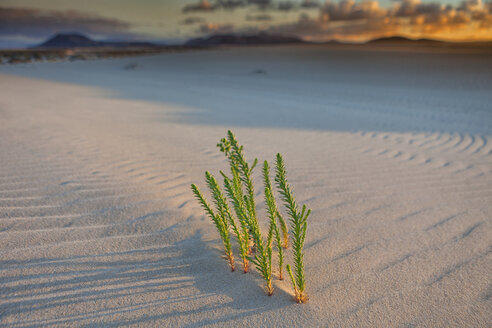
273,214
298,221
219,222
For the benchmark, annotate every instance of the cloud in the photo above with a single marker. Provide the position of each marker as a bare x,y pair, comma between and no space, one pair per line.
38,24
408,8
207,6
350,10
433,18
317,29
259,18
290,5
310,4
360,21
285,6
203,5
231,4
192,20
215,28
260,3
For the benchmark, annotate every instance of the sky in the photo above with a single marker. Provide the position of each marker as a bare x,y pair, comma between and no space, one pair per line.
28,22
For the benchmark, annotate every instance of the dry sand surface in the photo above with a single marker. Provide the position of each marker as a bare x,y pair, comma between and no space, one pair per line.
392,151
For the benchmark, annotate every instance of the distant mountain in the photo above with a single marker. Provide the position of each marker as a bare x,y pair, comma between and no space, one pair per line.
401,39
75,40
69,41
235,39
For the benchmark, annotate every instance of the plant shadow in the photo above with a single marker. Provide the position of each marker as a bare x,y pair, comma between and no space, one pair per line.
133,278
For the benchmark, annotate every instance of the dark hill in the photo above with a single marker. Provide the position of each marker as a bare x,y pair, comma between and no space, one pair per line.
401,39
75,40
69,41
234,39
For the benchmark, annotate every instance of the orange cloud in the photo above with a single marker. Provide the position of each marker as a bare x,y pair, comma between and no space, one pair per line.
351,21
210,28
350,10
203,5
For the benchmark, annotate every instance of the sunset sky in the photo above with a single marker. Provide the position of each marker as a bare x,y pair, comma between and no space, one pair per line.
27,22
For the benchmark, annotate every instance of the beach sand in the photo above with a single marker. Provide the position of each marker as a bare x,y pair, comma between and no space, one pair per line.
391,149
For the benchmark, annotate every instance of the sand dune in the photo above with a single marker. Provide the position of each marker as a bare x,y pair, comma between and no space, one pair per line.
98,225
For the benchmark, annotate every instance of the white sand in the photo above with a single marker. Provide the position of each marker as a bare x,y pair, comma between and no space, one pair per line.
392,150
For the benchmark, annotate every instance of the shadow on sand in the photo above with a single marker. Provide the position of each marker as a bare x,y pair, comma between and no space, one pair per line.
105,277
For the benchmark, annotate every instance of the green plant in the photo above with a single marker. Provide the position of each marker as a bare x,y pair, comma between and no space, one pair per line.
245,206
273,214
262,258
234,192
294,284
240,193
218,218
234,186
234,152
298,221
285,231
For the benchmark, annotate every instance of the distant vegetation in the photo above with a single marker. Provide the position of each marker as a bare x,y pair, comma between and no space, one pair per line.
244,222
